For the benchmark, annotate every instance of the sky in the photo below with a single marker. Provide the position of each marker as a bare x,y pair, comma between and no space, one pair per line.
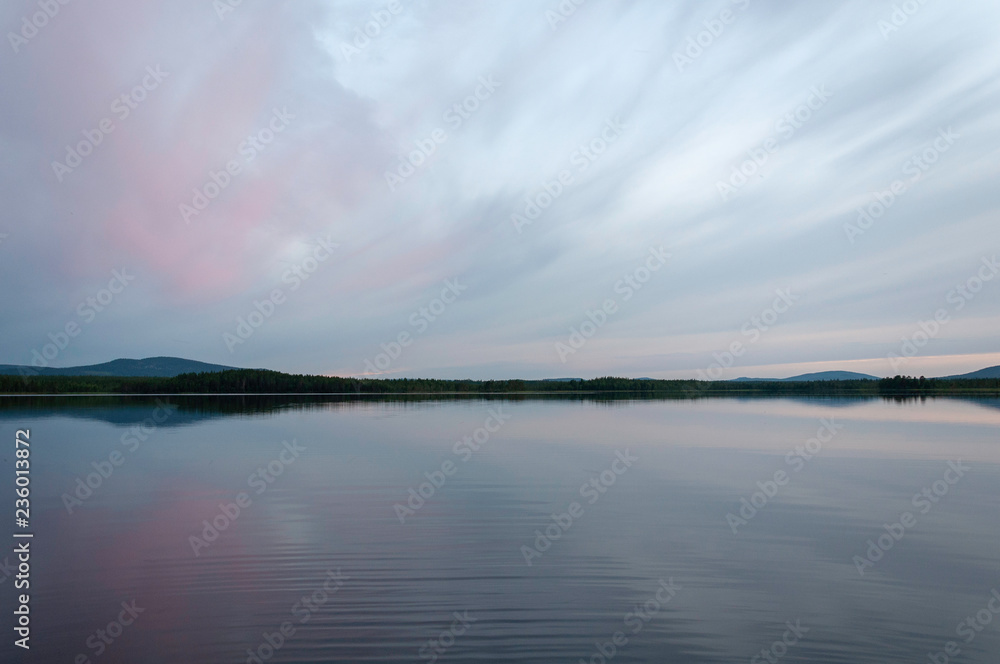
502,188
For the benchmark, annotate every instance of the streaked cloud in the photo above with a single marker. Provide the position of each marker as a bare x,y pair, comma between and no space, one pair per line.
356,112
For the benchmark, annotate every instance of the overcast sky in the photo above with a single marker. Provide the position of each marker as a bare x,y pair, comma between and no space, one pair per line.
612,118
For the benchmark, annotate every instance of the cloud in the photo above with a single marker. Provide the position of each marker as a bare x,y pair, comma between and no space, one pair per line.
360,105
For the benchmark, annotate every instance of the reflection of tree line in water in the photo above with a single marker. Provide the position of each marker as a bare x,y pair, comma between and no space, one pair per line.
126,410
249,382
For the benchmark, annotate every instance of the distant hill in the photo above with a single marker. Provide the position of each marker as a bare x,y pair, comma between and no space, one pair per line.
832,375
991,372
153,367
821,376
168,367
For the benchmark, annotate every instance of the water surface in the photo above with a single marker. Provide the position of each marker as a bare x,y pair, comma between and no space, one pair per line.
384,579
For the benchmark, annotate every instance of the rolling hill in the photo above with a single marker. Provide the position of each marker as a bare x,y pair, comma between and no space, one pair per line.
822,375
991,372
155,367
168,367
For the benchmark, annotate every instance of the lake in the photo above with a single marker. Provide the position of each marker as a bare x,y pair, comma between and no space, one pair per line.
308,529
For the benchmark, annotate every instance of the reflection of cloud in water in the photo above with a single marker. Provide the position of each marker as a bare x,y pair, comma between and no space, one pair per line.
664,518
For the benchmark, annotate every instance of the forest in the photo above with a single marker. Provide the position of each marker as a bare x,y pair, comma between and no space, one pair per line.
259,381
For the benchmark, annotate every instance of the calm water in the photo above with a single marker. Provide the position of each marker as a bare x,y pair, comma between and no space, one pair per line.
647,551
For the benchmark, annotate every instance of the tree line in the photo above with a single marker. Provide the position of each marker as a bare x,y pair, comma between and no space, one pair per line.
260,381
